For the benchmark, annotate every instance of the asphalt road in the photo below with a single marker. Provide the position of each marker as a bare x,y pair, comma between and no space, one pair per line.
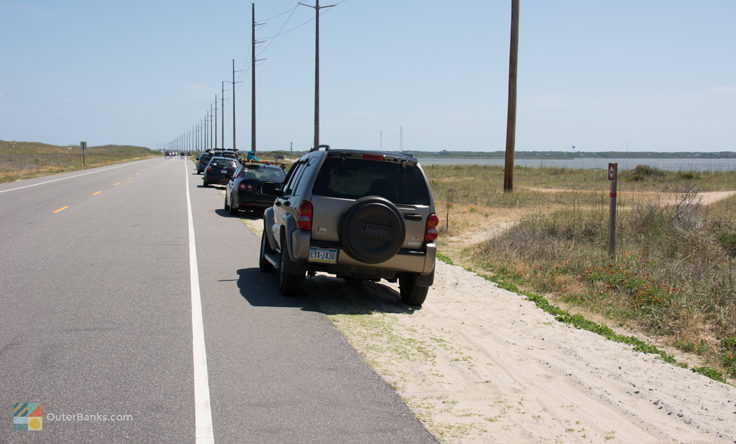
98,321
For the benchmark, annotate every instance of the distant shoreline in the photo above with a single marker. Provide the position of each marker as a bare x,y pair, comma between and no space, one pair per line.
563,155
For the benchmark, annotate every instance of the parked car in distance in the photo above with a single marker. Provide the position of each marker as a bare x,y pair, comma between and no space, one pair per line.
244,189
219,171
361,215
204,158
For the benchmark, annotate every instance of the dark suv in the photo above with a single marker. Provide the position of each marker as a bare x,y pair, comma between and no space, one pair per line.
356,214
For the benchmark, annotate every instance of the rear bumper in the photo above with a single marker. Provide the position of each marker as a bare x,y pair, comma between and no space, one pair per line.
250,201
217,180
405,261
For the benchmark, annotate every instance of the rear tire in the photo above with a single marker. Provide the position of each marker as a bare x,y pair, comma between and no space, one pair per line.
411,293
205,184
232,209
227,206
289,284
263,264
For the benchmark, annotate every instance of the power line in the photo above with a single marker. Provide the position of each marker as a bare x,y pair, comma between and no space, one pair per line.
271,40
279,14
278,34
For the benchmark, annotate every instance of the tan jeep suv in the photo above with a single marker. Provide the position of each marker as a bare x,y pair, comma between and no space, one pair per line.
360,215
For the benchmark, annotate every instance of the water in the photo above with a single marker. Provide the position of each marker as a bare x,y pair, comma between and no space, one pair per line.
599,163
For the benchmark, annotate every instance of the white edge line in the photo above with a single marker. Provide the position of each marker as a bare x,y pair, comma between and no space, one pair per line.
202,411
68,177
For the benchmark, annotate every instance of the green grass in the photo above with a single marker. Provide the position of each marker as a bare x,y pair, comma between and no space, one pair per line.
673,275
24,160
483,185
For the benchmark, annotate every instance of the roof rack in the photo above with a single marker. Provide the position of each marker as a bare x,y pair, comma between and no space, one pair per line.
316,148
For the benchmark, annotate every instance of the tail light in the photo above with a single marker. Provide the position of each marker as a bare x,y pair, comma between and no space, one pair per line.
246,187
304,219
209,169
430,232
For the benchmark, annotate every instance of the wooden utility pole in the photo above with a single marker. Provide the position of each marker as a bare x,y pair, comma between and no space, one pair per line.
222,112
508,172
234,104
253,79
215,121
316,8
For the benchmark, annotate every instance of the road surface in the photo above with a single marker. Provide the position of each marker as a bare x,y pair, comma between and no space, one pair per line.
132,319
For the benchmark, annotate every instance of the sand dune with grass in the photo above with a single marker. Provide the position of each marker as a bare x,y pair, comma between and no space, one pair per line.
480,364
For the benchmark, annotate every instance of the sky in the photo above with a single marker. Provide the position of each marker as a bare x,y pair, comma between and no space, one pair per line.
654,75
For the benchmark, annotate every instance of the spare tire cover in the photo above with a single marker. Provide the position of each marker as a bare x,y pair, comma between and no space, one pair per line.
372,230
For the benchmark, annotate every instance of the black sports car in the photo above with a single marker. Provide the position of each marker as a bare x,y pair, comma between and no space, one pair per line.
244,189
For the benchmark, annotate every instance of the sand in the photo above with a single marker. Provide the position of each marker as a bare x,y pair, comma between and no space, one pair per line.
479,364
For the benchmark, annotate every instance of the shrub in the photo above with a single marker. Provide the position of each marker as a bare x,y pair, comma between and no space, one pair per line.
644,172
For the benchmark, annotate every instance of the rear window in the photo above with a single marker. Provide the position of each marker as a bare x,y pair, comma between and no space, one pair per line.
351,178
263,174
224,163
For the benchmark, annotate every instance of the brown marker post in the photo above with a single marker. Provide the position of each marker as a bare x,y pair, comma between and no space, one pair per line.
613,178
83,146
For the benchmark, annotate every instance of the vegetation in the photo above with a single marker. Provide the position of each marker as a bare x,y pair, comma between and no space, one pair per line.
673,276
572,155
23,160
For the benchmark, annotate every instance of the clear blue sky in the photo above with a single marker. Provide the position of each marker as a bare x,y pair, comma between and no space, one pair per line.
647,75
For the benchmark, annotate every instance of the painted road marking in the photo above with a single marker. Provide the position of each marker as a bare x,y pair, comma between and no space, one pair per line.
96,193
61,209
129,177
62,178
116,184
203,432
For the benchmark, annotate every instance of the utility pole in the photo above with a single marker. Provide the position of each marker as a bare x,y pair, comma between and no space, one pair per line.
253,79
222,112
508,171
215,120
316,8
212,133
234,146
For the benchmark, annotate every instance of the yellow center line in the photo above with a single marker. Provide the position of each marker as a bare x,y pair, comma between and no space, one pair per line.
61,209
116,184
96,193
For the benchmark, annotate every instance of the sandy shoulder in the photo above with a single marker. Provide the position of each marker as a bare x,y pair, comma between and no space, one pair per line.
479,364
489,365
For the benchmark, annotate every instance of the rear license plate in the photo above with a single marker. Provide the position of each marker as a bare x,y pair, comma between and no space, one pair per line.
223,171
323,255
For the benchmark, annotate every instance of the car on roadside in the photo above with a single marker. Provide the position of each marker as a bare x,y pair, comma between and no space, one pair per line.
244,190
204,157
219,170
360,215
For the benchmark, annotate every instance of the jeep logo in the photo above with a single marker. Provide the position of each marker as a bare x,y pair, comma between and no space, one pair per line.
375,231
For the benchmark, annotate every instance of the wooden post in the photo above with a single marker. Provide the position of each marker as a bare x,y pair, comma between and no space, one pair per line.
447,211
613,178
